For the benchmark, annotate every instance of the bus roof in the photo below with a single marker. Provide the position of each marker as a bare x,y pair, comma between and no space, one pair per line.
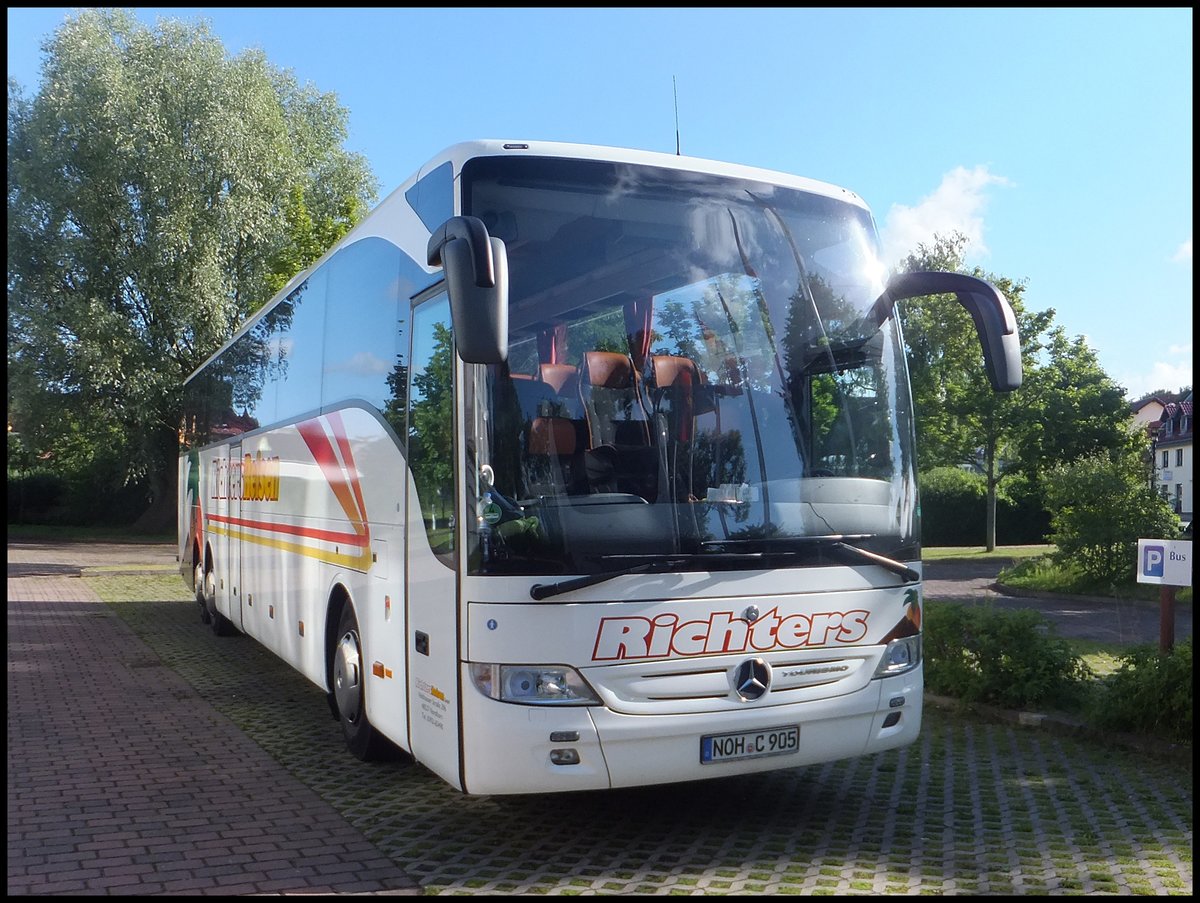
458,154
466,150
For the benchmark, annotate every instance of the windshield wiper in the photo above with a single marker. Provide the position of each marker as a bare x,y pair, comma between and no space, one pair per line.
841,542
545,590
889,564
658,564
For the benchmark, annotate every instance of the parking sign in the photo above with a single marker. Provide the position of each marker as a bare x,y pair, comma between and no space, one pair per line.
1152,560
1164,561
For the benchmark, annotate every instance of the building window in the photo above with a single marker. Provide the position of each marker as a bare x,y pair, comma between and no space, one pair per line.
1178,498
1166,459
1179,457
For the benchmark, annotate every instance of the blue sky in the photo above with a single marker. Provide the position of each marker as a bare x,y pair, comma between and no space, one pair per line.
1060,141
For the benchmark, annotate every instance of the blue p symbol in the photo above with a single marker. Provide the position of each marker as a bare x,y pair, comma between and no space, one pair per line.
1152,561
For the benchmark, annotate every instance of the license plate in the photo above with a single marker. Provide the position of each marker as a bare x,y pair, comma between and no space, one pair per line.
778,741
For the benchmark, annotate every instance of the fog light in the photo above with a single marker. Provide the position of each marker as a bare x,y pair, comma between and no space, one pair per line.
891,719
564,757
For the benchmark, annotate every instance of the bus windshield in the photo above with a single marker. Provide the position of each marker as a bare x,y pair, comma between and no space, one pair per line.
696,376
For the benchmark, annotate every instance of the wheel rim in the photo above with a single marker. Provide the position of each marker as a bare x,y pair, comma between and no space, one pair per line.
201,599
347,677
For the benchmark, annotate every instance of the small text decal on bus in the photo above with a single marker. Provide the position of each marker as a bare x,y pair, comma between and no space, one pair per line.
626,639
251,479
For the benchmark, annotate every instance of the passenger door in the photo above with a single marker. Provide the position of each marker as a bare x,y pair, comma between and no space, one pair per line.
431,579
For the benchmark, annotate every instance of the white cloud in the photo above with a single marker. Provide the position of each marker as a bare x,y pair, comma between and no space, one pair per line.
956,205
362,364
1160,375
280,346
1184,253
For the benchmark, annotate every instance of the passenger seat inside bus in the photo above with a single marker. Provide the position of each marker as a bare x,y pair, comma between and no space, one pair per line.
676,399
619,457
554,431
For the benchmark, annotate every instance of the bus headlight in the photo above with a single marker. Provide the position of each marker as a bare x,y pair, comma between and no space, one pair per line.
532,684
900,657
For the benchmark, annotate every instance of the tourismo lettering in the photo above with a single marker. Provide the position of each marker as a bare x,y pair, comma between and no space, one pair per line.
627,639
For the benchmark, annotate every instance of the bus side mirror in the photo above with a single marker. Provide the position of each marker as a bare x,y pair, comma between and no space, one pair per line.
476,269
993,315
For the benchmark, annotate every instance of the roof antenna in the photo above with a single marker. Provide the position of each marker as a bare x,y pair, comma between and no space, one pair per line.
676,92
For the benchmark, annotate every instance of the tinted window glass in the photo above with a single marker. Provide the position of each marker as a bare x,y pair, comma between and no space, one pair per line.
696,368
363,325
431,197
294,348
431,421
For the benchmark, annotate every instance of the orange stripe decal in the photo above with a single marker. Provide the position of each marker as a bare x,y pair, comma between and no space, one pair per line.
340,475
339,433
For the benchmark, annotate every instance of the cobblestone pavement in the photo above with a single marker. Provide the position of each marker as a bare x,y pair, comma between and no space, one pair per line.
122,780
147,756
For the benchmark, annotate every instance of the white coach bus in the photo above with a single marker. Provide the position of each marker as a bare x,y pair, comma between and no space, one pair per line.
574,467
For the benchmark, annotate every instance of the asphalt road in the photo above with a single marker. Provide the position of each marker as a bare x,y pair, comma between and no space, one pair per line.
1124,622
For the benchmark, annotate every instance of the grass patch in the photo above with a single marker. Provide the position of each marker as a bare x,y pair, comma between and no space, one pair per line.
118,588
979,553
1044,574
1102,659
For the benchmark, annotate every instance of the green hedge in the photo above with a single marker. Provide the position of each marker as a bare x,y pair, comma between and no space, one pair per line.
1011,658
979,653
1149,693
954,510
85,499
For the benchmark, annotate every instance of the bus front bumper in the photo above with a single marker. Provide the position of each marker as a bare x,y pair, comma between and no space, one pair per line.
539,749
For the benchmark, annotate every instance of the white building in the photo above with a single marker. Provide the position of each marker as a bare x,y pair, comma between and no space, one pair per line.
1172,447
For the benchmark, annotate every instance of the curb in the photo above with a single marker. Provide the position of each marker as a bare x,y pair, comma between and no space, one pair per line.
1178,753
1006,590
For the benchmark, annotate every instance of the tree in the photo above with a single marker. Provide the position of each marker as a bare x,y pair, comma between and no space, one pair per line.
159,191
959,416
1066,408
1101,505
1077,408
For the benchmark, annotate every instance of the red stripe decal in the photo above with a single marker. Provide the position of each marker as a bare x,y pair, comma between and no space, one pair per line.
339,432
334,472
352,539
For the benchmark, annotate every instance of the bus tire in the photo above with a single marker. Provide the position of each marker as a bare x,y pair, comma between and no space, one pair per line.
221,625
350,692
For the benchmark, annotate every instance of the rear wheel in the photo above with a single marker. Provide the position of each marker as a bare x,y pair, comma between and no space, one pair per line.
350,692
221,625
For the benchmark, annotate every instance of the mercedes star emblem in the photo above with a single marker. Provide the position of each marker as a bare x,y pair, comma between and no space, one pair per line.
752,678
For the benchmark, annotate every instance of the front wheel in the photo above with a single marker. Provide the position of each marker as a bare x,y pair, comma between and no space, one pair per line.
350,692
201,600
